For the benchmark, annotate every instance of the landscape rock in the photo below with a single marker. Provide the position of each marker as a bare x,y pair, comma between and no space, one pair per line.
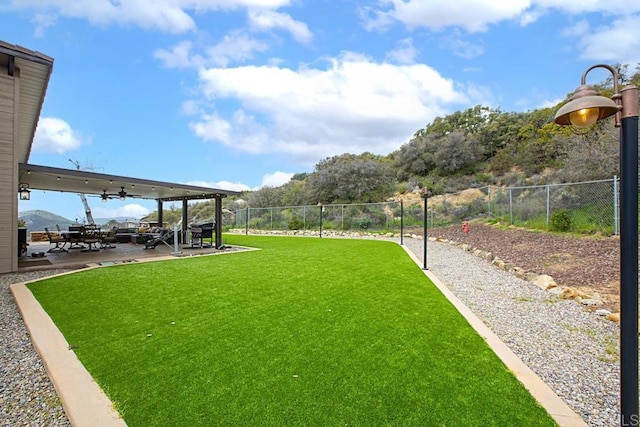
531,276
590,302
518,272
569,293
498,263
544,282
614,317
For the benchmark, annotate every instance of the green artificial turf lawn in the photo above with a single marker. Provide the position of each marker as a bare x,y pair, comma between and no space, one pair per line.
305,331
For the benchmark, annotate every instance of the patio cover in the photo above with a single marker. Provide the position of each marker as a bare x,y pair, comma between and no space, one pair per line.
78,181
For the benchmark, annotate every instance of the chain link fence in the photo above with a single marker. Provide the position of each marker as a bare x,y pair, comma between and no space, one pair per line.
587,207
375,217
584,207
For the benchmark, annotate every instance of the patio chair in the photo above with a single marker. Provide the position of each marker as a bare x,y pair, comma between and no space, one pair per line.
92,240
57,240
107,240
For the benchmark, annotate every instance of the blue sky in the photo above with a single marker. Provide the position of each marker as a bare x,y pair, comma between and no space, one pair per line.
238,94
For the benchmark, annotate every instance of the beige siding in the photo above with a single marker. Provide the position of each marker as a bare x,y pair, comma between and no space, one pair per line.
9,86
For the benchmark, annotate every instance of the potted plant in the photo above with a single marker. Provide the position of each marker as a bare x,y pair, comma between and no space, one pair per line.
22,237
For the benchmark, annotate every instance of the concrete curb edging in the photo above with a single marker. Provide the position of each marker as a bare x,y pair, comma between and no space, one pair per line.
83,400
86,404
544,395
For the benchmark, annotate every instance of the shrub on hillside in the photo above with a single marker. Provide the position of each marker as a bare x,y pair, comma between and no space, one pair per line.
561,220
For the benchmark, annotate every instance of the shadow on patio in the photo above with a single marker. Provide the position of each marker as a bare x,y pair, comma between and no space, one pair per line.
120,253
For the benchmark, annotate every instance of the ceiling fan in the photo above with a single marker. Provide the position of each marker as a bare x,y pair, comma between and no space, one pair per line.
122,194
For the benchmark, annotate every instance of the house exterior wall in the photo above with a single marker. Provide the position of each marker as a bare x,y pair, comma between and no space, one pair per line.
9,90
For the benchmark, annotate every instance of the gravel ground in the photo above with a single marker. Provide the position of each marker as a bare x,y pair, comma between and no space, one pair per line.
27,396
574,351
588,263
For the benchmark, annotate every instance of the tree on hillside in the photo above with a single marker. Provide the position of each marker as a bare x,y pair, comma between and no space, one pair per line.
437,154
265,197
415,158
456,152
590,155
468,121
294,192
500,130
351,178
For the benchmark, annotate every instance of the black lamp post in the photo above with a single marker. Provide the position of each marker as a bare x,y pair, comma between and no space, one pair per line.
584,108
425,235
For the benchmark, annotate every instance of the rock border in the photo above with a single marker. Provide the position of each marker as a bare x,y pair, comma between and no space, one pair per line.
542,281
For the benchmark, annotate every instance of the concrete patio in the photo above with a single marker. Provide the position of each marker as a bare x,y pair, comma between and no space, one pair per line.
120,253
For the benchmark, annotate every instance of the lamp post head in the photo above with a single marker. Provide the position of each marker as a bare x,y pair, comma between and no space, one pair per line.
586,107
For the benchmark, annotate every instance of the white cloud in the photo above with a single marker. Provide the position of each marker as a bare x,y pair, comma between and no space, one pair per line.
234,47
477,15
179,56
404,53
578,29
276,179
353,105
549,103
613,7
618,42
222,185
460,47
55,135
470,15
168,16
131,210
212,127
160,15
267,19
42,22
191,107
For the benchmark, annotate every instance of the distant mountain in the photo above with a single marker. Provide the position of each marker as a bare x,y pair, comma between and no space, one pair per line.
37,220
118,219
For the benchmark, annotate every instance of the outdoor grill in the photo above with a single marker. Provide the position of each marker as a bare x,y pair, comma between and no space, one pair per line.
199,232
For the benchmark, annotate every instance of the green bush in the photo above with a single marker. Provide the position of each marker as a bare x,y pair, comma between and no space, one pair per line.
561,220
295,223
363,223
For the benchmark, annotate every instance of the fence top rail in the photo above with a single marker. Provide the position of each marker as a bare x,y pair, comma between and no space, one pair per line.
557,185
390,202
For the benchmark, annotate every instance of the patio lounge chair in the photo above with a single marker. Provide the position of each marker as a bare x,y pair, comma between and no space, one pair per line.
164,237
57,240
